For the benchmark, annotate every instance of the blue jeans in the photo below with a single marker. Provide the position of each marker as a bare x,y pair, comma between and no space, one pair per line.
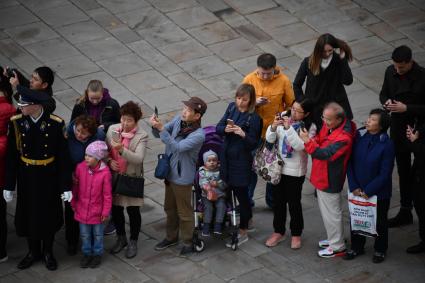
91,239
220,210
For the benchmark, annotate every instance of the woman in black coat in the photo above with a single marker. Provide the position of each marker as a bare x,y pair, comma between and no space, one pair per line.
98,103
241,128
327,71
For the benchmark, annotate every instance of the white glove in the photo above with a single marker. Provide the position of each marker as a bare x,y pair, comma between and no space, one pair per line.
8,195
67,196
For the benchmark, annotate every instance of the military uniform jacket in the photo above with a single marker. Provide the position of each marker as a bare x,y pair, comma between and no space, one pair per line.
39,206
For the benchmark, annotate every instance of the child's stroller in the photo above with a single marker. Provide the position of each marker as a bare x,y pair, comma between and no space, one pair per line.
213,142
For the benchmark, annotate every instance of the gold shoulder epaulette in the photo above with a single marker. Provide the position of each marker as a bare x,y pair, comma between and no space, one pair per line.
56,118
15,117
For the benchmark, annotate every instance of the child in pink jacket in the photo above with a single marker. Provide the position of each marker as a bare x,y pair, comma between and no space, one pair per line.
92,201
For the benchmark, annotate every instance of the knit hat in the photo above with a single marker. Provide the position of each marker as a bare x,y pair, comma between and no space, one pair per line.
97,149
208,154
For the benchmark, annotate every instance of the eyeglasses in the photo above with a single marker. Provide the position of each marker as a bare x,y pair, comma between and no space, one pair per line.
326,119
297,111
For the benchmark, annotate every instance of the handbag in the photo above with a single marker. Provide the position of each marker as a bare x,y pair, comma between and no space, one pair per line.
363,215
268,163
130,186
163,167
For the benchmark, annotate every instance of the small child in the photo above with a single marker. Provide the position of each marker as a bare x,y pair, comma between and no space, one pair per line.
92,201
212,192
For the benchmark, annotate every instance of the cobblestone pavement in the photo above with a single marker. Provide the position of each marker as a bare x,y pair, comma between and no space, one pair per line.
159,52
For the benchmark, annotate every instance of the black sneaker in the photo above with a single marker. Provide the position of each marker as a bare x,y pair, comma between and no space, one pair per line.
404,217
164,244
352,254
95,262
416,249
109,229
186,250
85,261
378,257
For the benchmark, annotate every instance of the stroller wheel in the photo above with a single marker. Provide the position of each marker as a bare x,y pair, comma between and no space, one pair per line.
200,246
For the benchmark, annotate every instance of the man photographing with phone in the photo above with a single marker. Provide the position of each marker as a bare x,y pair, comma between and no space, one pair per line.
402,95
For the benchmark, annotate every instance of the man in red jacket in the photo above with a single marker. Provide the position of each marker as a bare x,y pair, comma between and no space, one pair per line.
330,151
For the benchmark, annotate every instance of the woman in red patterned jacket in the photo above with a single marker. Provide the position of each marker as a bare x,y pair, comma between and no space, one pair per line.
6,111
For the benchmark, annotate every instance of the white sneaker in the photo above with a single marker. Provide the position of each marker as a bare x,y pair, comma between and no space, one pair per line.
323,243
241,239
329,252
4,259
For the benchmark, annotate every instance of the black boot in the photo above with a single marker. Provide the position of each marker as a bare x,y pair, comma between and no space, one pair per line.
50,261
416,249
28,260
119,244
404,217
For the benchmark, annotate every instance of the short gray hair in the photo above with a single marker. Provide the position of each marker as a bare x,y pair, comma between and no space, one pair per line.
337,109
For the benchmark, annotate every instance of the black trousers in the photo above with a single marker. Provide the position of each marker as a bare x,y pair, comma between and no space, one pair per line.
3,227
406,183
242,196
288,193
419,203
39,247
72,227
381,242
135,220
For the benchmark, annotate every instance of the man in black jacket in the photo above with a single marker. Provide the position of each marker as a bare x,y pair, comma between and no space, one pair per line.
41,80
403,95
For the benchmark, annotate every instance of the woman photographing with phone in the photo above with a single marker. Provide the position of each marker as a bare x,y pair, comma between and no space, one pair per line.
127,142
241,128
285,132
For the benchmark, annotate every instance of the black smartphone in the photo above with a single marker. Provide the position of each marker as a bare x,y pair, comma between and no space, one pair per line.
155,131
156,112
302,125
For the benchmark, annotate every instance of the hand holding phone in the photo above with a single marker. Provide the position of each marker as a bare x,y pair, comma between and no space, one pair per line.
230,122
116,136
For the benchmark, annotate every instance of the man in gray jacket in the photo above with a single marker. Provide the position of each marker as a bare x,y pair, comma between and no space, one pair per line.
183,138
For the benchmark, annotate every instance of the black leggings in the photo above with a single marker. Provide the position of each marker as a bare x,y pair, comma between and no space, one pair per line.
244,205
135,220
288,193
3,227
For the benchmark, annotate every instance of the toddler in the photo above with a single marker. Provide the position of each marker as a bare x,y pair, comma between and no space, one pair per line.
92,201
212,193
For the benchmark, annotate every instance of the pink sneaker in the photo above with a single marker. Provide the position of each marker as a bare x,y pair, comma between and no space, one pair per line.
296,242
274,239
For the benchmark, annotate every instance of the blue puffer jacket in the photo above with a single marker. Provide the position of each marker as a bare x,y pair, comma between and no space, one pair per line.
371,164
236,158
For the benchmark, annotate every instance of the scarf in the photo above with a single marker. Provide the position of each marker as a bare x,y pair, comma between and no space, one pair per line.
286,148
187,128
125,141
96,110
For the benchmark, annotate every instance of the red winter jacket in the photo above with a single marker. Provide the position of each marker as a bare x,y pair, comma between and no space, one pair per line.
6,111
92,196
330,153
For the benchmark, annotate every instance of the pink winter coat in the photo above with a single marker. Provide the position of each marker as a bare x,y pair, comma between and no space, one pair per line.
92,195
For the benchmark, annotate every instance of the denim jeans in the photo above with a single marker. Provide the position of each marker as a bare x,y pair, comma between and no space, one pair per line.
91,239
220,210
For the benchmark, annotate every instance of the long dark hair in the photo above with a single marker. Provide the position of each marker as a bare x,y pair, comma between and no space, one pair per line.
307,105
316,57
5,87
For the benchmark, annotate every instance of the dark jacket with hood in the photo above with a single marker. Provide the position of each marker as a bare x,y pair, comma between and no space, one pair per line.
108,108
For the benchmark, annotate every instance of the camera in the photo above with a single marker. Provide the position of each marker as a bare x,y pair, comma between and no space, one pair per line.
9,72
286,113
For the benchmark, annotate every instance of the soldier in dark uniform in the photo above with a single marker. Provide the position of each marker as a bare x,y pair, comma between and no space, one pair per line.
38,164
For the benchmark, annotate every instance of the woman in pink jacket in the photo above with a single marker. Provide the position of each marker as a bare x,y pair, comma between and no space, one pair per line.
92,201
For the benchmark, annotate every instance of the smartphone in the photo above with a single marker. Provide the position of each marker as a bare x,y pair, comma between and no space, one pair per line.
156,112
230,122
302,125
116,136
286,113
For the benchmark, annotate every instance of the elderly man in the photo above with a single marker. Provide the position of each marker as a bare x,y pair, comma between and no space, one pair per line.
38,163
330,151
183,138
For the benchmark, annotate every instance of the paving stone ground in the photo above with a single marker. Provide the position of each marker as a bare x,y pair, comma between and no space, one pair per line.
159,52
